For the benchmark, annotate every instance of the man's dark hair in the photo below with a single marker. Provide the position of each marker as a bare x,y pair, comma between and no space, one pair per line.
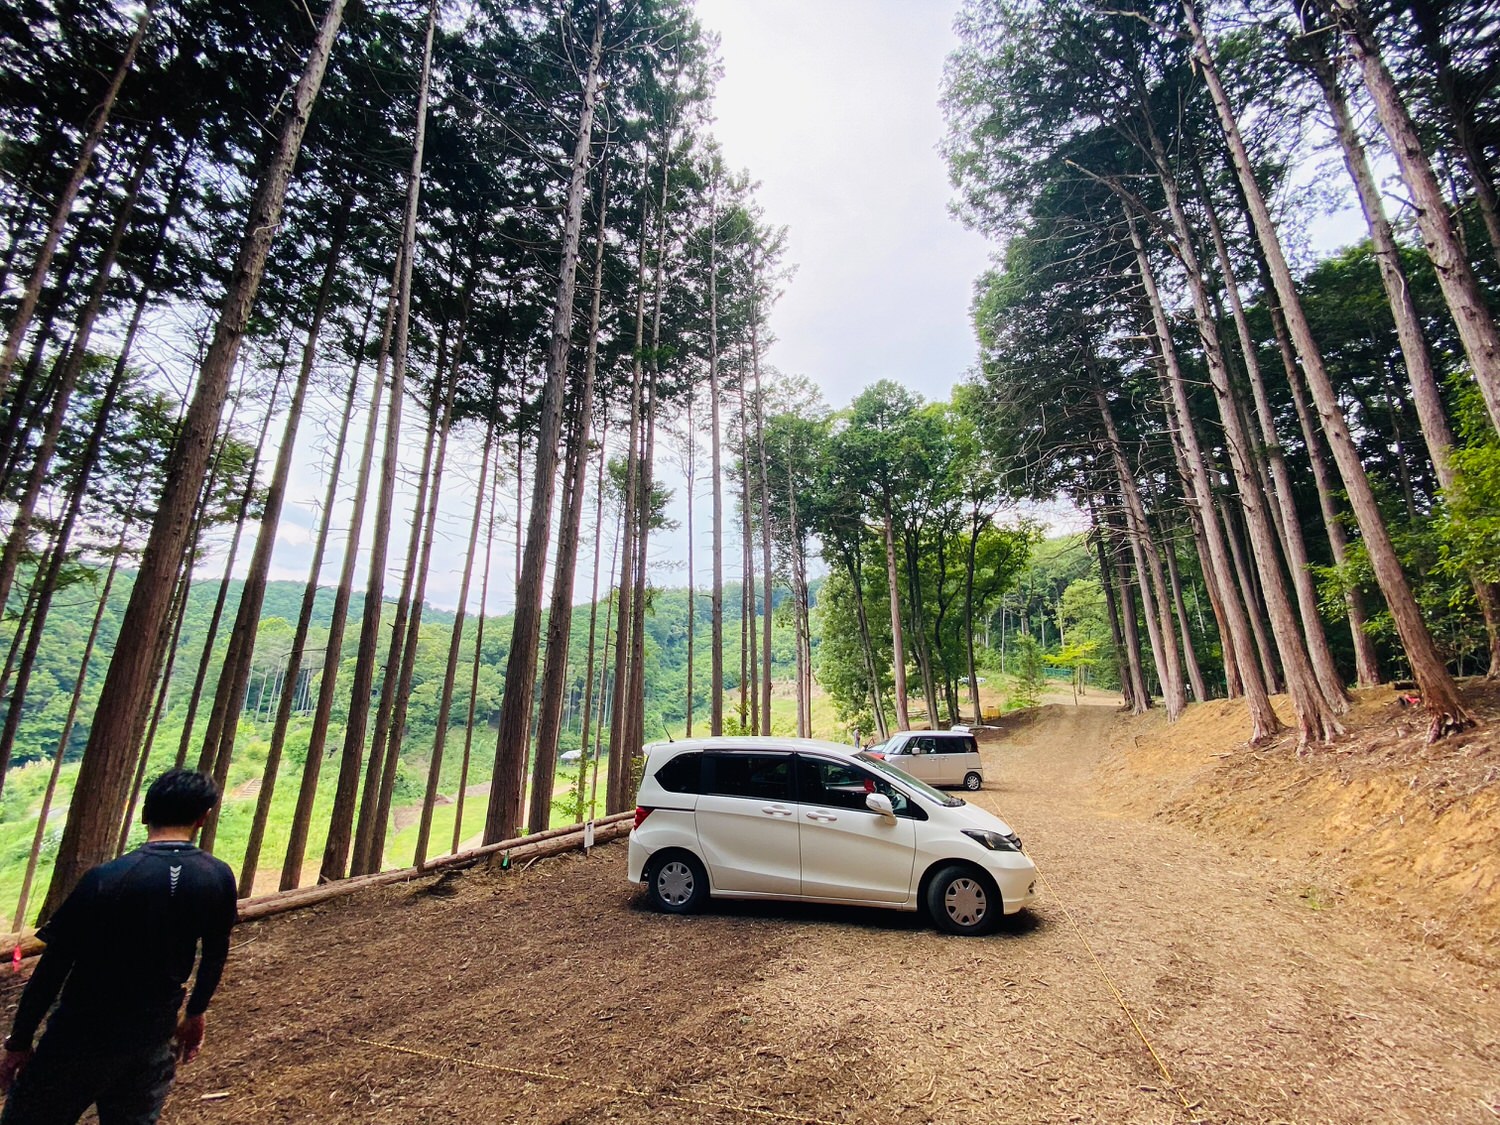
179,797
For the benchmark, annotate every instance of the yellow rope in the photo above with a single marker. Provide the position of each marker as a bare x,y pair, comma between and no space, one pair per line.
1110,981
628,1091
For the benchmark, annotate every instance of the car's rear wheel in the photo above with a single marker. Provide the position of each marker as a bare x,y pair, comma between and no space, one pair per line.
676,883
972,781
963,900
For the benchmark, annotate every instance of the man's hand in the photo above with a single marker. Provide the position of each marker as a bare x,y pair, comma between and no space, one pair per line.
189,1037
11,1065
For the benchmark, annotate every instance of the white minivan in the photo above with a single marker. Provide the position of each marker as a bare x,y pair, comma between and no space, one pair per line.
938,757
786,818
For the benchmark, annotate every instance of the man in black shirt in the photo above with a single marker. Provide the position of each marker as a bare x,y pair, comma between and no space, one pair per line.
120,949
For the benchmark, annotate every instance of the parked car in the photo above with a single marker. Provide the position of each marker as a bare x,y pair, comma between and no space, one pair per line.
938,757
784,818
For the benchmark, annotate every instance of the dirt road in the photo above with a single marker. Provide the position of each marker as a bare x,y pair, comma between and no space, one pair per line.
1160,978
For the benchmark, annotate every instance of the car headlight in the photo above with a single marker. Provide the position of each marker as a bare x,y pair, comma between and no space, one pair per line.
995,841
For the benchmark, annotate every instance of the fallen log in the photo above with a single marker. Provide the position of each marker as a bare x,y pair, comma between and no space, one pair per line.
554,841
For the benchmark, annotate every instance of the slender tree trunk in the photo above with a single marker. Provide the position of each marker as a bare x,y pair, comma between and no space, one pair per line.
455,643
307,792
1439,693
63,209
206,659
1366,663
1140,694
234,676
1330,682
692,591
1100,536
898,648
1426,395
1263,720
119,717
588,674
520,669
1148,566
636,737
1195,674
716,472
287,701
749,661
616,796
765,514
1461,289
560,614
79,683
341,819
373,858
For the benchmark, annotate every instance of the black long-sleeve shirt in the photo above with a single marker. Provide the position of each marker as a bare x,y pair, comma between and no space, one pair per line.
122,946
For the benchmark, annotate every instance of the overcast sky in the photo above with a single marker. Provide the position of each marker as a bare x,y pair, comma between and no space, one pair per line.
833,106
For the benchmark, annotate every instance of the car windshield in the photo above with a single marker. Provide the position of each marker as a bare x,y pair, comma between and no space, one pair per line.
881,766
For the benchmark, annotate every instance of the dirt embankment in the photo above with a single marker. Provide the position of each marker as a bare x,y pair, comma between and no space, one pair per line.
1379,820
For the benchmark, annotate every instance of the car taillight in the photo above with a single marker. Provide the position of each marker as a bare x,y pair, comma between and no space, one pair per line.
641,813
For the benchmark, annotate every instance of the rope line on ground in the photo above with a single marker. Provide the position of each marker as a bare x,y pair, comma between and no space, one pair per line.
601,1087
1114,988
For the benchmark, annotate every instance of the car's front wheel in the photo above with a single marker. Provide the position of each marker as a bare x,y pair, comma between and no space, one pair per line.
676,883
972,781
963,900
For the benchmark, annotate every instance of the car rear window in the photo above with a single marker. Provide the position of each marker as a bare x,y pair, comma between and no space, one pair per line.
681,774
763,777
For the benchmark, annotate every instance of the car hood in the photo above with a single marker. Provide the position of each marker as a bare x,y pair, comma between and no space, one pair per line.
969,815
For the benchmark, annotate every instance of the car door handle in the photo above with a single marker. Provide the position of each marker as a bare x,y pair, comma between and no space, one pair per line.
821,816
776,810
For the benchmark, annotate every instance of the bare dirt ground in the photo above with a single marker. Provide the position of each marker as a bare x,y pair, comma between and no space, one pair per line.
1167,973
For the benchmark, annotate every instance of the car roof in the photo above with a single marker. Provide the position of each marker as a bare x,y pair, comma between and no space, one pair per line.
752,742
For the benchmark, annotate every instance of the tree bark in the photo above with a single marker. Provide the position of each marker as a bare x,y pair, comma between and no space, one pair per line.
560,614
1263,720
234,675
341,819
1143,548
1330,682
455,642
1439,693
520,669
119,716
1461,289
63,209
287,701
484,604
898,648
716,470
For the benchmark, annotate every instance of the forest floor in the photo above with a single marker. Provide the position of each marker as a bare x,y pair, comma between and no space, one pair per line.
1221,935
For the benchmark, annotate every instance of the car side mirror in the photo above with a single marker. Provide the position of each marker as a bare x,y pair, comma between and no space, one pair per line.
879,802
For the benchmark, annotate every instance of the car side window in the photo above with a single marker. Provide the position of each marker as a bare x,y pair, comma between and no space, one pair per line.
956,745
845,785
681,774
761,777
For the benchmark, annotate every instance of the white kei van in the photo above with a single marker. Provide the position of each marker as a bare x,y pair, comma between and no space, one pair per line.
938,757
